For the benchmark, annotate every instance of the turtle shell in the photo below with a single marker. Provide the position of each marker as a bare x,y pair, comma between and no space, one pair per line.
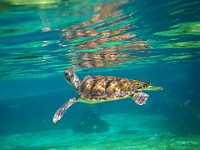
108,87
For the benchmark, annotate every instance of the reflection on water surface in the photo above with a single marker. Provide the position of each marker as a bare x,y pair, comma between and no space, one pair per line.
99,34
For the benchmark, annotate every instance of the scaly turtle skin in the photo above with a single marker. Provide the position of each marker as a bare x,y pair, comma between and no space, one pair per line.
97,89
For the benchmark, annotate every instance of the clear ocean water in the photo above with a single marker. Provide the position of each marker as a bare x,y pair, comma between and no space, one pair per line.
147,40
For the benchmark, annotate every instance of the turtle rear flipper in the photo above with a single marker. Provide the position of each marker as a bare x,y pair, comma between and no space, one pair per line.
152,88
140,98
60,112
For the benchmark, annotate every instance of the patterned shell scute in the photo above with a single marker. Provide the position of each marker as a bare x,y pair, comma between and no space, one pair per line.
107,87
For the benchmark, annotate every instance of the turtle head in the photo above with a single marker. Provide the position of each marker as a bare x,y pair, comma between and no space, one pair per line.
68,74
72,78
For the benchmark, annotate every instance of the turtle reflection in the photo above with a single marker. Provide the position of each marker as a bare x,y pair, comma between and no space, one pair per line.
109,43
101,59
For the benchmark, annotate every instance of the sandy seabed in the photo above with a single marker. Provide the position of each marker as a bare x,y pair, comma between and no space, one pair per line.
127,132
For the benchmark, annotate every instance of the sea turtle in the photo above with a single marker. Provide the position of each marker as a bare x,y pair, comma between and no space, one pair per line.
97,89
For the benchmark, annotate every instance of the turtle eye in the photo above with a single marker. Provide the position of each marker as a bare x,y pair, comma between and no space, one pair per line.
69,72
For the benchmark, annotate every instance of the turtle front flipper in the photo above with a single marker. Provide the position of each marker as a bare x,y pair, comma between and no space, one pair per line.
60,112
140,98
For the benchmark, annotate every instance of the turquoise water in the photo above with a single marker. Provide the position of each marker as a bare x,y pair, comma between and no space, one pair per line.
151,41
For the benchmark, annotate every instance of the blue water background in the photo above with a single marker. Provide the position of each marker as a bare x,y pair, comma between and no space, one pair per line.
33,61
